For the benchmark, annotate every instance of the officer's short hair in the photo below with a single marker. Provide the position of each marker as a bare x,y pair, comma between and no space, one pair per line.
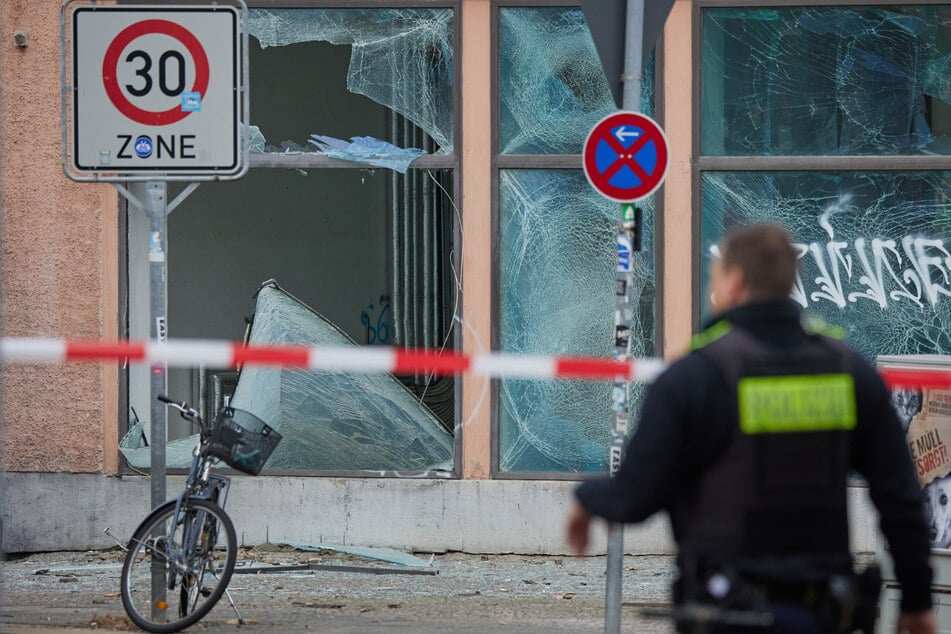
765,254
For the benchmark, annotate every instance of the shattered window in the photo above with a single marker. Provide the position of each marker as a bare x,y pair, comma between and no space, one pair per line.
874,247
557,262
557,244
401,59
815,82
358,240
552,90
826,80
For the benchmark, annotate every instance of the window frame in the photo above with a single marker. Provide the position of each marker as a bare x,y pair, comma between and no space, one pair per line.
805,163
502,162
258,160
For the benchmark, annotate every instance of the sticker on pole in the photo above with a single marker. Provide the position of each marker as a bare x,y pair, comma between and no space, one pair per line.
156,89
625,156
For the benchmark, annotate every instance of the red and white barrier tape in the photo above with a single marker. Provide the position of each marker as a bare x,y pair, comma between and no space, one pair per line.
184,353
916,377
374,360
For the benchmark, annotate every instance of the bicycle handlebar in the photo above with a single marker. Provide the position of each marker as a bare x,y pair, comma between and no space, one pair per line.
187,411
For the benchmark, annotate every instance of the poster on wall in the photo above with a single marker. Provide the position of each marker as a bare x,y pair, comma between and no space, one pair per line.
925,415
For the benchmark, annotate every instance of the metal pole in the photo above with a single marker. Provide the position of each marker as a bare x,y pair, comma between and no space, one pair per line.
155,207
633,55
623,318
156,194
633,62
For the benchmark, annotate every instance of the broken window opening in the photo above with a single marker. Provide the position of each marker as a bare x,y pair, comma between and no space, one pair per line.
372,249
210,282
401,59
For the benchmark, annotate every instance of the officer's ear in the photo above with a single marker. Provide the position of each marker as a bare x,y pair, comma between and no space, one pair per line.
735,286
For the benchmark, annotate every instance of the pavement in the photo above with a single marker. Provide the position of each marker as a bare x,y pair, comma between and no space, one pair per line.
66,592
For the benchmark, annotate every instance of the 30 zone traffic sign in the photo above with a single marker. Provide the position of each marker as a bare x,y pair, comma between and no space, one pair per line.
156,89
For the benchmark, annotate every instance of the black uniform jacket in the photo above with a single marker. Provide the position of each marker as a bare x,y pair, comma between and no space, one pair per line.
685,423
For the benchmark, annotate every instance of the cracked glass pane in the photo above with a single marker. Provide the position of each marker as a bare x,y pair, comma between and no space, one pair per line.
557,261
551,87
333,421
329,421
875,248
557,243
827,81
401,59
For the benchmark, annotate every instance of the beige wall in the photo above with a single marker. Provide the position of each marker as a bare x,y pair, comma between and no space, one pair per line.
677,249
477,230
59,263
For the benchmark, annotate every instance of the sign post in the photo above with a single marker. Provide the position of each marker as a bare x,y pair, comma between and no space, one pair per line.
624,34
625,159
155,93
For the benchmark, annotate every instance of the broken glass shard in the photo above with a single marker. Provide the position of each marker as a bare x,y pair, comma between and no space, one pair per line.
329,421
367,150
334,421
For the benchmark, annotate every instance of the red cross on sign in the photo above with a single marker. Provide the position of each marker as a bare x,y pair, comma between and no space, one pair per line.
625,156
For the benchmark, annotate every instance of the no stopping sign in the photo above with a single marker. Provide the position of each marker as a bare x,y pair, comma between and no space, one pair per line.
156,89
625,156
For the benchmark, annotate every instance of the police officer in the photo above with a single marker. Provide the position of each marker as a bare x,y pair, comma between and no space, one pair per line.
747,443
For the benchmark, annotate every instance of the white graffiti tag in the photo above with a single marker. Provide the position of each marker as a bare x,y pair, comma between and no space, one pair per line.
875,270
919,272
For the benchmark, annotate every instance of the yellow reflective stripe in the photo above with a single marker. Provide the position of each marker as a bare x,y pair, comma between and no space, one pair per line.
814,402
709,335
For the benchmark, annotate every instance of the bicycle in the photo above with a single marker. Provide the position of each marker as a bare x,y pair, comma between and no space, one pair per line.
181,557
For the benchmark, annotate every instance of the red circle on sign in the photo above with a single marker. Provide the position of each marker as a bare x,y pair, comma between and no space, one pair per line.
605,154
110,64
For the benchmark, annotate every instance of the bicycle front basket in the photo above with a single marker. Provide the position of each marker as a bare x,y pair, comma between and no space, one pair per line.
242,440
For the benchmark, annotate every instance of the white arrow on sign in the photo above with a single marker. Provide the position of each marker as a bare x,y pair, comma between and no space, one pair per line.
623,134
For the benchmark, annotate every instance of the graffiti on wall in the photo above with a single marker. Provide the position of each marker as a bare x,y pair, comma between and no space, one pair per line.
375,320
884,270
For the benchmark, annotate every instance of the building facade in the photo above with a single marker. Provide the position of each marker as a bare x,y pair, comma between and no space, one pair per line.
478,233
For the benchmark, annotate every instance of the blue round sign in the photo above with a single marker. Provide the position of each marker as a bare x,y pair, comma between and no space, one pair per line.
625,156
143,146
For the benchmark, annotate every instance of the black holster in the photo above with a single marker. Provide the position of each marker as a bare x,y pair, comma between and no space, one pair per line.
844,603
851,603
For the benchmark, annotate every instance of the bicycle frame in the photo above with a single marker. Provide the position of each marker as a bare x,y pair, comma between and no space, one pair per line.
200,484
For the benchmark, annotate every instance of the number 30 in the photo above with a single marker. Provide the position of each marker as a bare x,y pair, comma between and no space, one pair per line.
163,73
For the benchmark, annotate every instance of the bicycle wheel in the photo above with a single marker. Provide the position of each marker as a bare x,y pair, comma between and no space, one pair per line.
190,565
